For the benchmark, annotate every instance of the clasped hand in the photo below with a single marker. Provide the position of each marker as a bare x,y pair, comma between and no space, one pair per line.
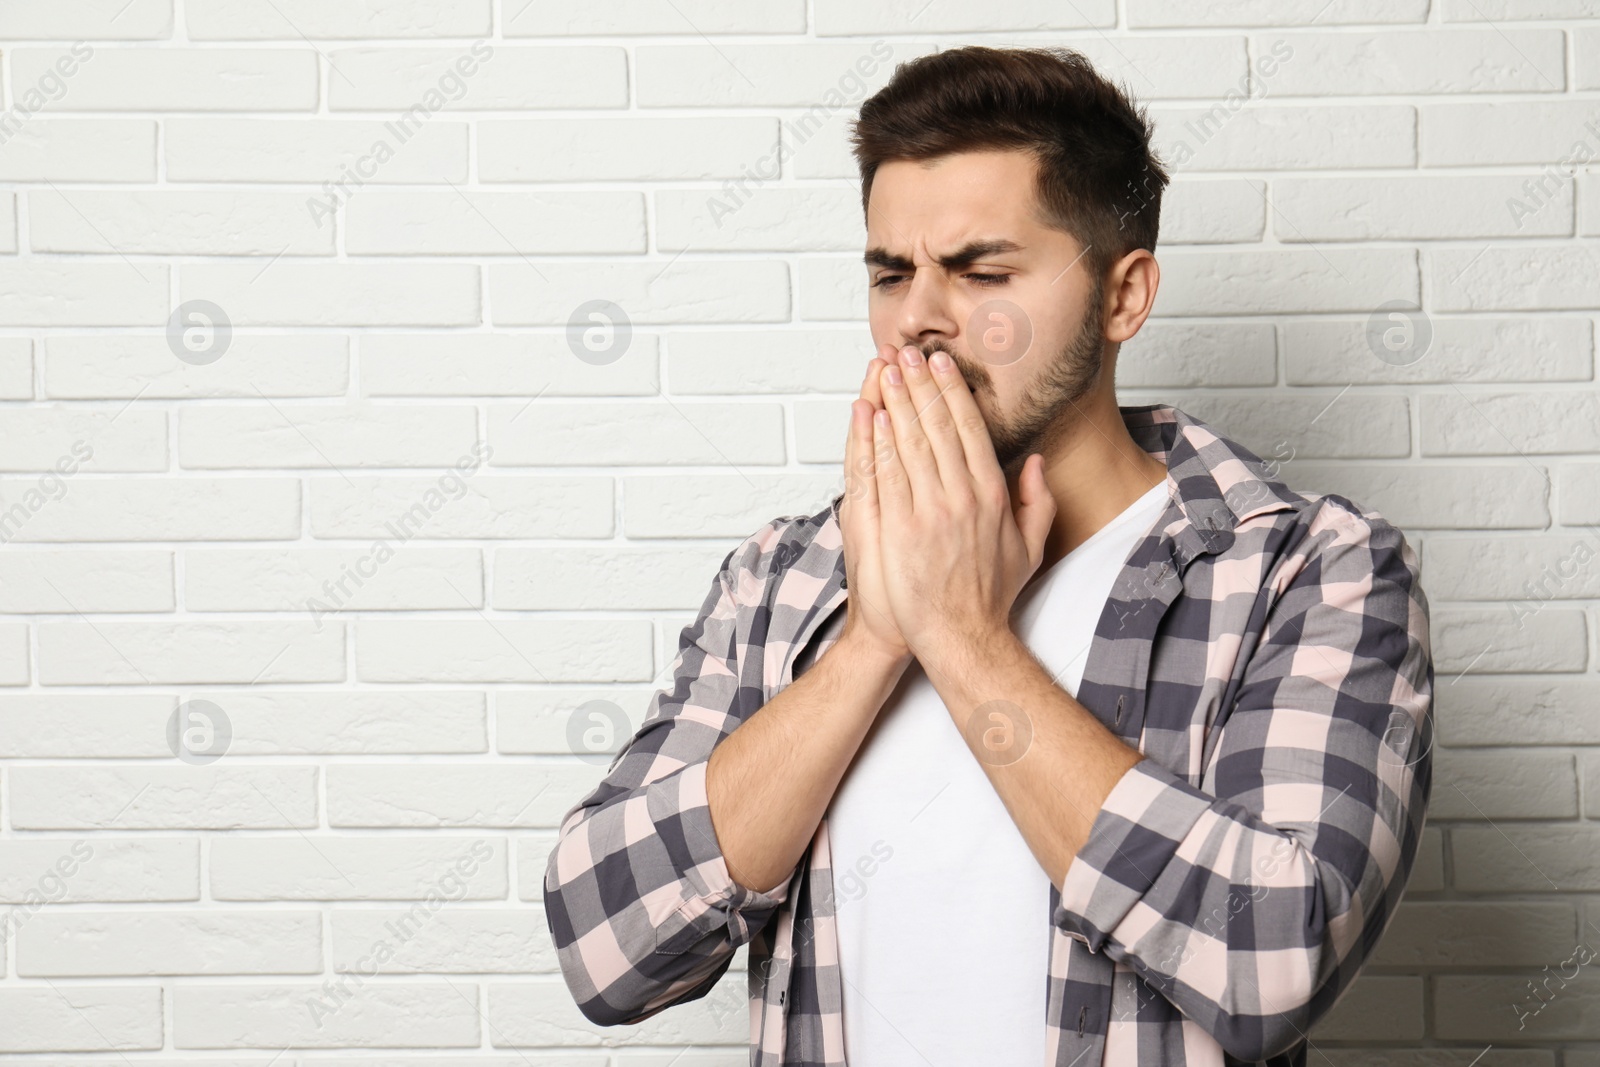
936,548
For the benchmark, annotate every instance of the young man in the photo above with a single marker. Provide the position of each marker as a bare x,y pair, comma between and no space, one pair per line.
1067,733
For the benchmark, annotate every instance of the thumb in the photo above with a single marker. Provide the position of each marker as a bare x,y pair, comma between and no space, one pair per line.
1037,509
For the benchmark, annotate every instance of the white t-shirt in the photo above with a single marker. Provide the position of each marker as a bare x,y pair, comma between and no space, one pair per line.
943,911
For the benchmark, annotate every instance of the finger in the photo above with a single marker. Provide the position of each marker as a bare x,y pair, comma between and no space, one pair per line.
871,389
912,447
934,419
894,489
860,484
1037,510
975,440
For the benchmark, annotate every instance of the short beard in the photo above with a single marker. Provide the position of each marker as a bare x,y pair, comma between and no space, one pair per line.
1047,410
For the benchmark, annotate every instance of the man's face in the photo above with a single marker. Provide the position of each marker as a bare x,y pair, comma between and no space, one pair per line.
1016,307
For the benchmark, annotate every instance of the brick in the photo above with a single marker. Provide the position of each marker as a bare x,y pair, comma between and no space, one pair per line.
1211,282
1427,872
736,362
1215,211
1148,13
306,436
153,509
1484,134
503,364
179,79
16,368
84,1018
1422,208
622,149
448,941
1586,50
325,584
1515,278
759,218
95,441
53,582
1499,424
14,654
8,223
1504,785
478,78
1498,711
841,17
475,223
820,427
315,151
298,19
1525,858
143,797
539,721
477,795
1375,1008
1475,934
828,77
151,653
1579,494
503,650
832,288
1248,136
1495,10
1527,569
1490,641
109,944
80,293
1205,354
99,869
642,434
1505,1007
668,291
1469,349
720,505
388,867
80,150
642,17
41,726
95,20
126,365
367,1015
605,579
234,223
484,505
363,722
337,294
1429,496
1423,61
1282,429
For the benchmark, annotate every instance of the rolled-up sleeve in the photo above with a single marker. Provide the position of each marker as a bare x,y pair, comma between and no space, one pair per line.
641,906
1251,900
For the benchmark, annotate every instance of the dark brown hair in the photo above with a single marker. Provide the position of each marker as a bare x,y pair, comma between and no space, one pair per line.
1098,178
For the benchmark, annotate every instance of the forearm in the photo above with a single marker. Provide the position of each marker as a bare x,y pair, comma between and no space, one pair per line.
1055,788
770,781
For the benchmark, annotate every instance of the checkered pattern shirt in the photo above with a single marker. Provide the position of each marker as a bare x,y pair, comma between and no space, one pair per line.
1268,654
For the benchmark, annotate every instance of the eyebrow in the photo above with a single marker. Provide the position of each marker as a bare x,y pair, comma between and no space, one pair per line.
970,252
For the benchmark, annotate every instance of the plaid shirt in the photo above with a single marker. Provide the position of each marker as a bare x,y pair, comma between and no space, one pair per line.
1267,652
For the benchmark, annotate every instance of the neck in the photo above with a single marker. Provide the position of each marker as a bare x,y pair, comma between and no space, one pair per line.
1094,469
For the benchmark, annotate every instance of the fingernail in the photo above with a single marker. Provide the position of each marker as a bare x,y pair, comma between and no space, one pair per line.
894,376
913,357
882,419
940,361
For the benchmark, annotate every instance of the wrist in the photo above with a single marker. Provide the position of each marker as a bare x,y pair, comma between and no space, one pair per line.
870,654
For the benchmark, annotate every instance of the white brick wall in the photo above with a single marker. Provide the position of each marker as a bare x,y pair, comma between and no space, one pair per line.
402,721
